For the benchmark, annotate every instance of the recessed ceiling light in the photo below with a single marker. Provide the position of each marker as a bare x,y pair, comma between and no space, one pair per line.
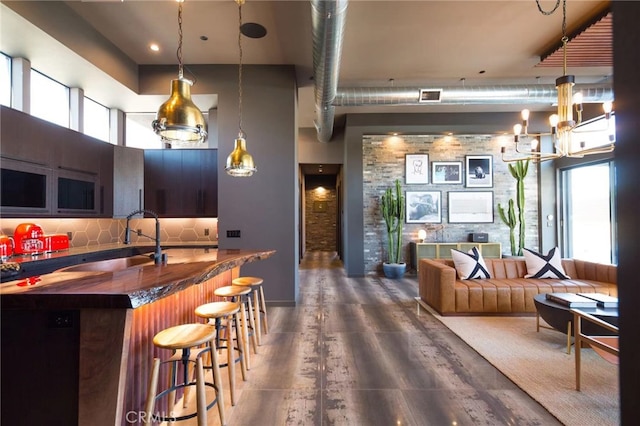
154,47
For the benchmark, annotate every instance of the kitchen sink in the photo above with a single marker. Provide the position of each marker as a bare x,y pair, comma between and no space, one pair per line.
110,265
108,260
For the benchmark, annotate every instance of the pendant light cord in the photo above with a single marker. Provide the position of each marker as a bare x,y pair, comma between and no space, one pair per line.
547,12
179,51
564,38
240,131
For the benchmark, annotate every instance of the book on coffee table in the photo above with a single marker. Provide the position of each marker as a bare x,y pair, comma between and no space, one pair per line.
572,300
603,300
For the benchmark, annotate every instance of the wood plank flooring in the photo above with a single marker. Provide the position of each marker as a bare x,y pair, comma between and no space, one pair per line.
355,352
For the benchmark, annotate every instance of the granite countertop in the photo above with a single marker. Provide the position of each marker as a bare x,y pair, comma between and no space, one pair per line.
77,286
44,263
105,249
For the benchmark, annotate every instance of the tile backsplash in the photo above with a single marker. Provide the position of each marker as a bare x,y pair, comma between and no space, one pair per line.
88,231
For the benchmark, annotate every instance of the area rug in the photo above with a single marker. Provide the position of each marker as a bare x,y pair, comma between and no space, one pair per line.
538,363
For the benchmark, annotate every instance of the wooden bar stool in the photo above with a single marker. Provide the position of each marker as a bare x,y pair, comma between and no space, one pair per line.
241,295
184,340
259,304
215,312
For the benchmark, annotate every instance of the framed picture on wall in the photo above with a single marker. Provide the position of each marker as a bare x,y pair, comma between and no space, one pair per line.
423,206
479,171
446,172
470,206
417,168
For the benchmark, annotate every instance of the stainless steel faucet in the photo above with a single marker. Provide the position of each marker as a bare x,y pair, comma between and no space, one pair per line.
158,257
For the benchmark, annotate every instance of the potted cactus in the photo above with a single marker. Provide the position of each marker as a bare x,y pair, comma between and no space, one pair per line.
519,171
392,207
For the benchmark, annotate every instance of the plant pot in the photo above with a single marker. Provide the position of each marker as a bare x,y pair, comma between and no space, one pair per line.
394,270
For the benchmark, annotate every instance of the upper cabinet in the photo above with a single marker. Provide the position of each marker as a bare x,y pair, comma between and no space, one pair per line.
48,170
52,171
128,180
181,182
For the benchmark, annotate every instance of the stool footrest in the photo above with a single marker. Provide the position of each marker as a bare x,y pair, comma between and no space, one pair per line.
181,386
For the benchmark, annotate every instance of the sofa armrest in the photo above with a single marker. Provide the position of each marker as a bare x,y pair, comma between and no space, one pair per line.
585,270
437,285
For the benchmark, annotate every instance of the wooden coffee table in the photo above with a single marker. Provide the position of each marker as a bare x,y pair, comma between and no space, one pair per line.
560,318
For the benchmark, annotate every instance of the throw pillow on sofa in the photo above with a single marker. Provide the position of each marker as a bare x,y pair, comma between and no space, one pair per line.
469,265
544,266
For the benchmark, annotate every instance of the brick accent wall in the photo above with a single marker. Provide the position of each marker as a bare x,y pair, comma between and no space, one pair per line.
320,219
384,162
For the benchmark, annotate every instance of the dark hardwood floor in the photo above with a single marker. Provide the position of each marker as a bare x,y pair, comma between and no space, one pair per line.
354,351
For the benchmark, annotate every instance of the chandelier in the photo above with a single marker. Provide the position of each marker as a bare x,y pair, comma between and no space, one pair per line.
179,122
563,127
240,162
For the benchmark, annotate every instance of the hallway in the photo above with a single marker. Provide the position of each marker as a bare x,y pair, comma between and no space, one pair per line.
354,352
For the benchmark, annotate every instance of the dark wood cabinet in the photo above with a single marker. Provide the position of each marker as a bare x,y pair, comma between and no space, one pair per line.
86,163
27,138
181,182
74,171
128,180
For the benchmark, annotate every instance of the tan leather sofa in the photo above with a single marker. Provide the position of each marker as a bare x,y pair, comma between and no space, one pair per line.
507,291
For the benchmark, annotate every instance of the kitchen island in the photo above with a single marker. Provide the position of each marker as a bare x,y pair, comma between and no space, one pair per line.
77,342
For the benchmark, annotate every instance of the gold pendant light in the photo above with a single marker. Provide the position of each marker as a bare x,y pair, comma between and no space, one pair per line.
179,122
563,125
240,162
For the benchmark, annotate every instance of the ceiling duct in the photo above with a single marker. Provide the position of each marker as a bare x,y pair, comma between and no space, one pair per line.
480,95
327,19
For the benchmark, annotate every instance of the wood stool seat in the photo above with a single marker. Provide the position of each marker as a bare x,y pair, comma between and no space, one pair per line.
215,312
181,339
247,281
184,336
217,309
232,291
259,303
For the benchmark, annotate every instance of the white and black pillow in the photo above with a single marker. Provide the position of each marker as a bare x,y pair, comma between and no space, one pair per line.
544,266
469,265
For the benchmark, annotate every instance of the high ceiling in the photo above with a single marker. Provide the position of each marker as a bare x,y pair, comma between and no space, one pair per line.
386,43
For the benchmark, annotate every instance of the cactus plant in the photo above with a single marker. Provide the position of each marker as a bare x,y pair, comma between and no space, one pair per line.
509,218
519,171
392,206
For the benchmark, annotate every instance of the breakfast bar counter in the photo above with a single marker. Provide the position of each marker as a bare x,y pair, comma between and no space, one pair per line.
90,285
85,332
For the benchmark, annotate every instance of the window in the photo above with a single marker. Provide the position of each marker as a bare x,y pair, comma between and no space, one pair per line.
139,133
49,99
5,80
594,133
96,120
588,212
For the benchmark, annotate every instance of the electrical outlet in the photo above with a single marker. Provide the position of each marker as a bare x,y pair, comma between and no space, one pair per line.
206,232
233,233
70,235
139,232
60,319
